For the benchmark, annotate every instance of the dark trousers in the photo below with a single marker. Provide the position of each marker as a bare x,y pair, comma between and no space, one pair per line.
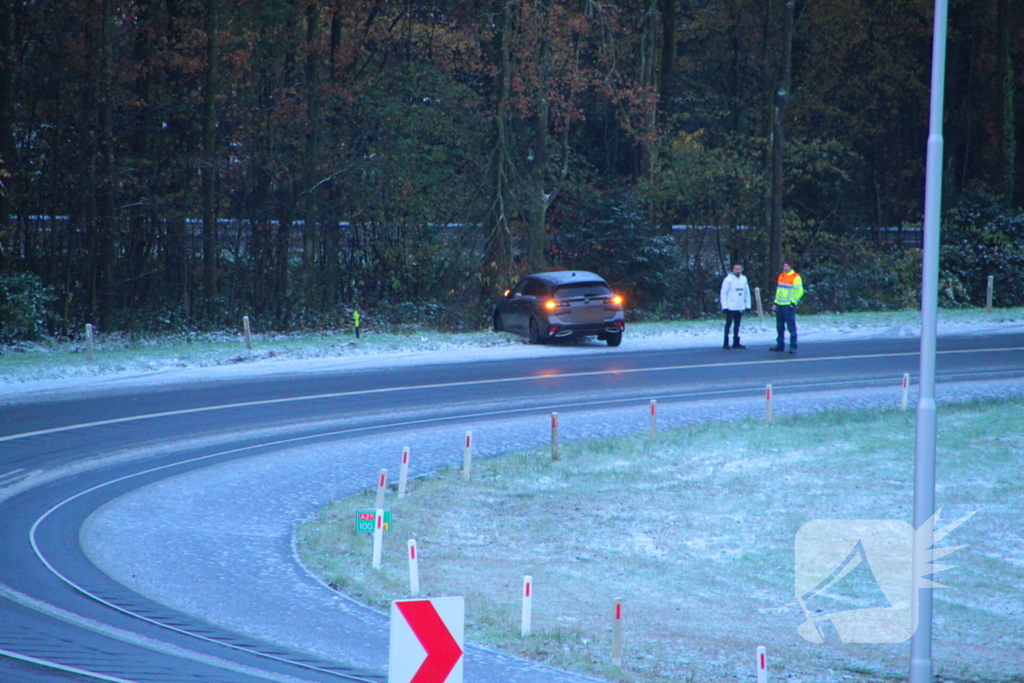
785,317
730,318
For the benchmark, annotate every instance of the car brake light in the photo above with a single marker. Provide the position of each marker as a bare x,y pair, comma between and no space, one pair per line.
549,304
616,299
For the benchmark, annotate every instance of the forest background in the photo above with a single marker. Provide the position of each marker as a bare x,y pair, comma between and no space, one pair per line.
171,165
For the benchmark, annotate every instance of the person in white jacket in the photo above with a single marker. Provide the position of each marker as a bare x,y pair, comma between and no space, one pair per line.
735,300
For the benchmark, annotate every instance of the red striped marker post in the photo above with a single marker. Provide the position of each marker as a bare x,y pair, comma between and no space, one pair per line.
403,473
527,605
378,538
652,434
414,570
906,390
762,665
467,456
382,482
554,437
617,634
768,404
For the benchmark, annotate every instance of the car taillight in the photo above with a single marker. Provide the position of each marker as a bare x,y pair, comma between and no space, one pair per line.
616,299
549,304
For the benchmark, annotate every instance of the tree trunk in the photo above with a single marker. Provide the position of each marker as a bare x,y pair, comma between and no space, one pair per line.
497,266
648,69
668,53
778,120
105,198
310,234
208,165
1009,135
6,123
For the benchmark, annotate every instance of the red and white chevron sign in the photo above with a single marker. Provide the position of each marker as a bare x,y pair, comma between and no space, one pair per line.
426,640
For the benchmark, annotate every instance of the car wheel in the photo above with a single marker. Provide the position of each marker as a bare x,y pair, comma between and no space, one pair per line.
499,326
614,339
534,331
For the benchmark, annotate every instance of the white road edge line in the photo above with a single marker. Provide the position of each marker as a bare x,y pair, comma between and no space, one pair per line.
135,639
61,667
443,385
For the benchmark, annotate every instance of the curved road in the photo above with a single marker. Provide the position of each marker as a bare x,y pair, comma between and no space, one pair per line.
63,619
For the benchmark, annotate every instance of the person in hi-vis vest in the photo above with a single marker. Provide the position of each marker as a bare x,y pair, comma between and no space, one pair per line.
787,296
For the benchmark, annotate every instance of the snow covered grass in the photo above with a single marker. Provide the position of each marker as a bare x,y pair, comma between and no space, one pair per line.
696,534
119,355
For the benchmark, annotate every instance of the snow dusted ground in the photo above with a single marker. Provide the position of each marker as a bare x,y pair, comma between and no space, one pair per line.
32,372
246,577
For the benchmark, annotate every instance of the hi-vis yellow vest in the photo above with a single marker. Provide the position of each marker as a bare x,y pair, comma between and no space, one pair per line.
790,289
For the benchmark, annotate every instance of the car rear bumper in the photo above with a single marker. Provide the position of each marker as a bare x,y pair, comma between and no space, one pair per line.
556,329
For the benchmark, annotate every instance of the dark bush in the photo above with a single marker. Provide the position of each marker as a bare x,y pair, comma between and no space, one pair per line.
23,308
980,239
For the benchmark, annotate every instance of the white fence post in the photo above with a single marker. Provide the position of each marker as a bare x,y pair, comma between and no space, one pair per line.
760,309
467,456
378,538
988,292
403,473
527,623
248,332
414,570
768,404
89,341
906,390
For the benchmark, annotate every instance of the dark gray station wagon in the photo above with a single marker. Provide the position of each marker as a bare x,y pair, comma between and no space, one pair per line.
562,304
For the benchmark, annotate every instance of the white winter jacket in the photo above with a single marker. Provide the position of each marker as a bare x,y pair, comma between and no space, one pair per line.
735,293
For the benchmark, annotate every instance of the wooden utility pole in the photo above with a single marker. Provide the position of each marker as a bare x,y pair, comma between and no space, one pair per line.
778,120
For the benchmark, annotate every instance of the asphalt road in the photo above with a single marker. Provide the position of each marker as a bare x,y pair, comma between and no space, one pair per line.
62,619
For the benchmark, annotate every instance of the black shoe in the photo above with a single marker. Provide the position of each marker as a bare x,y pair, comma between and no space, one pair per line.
726,347
776,348
737,345
792,350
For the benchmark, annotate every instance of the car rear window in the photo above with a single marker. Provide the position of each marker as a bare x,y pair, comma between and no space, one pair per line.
582,289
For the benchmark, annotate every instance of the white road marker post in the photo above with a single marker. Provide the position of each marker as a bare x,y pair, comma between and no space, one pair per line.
762,665
382,482
652,432
760,309
248,332
617,634
988,292
403,473
527,606
554,437
467,456
378,537
906,390
768,404
89,341
414,570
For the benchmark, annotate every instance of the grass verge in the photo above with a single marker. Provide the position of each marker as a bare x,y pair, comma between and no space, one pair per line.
696,534
122,353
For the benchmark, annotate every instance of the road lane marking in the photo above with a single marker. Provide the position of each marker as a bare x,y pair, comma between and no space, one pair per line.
479,382
131,638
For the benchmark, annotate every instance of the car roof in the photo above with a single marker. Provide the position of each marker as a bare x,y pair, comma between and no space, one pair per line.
562,277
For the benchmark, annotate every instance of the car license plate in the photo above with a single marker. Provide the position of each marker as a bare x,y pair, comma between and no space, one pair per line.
588,314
